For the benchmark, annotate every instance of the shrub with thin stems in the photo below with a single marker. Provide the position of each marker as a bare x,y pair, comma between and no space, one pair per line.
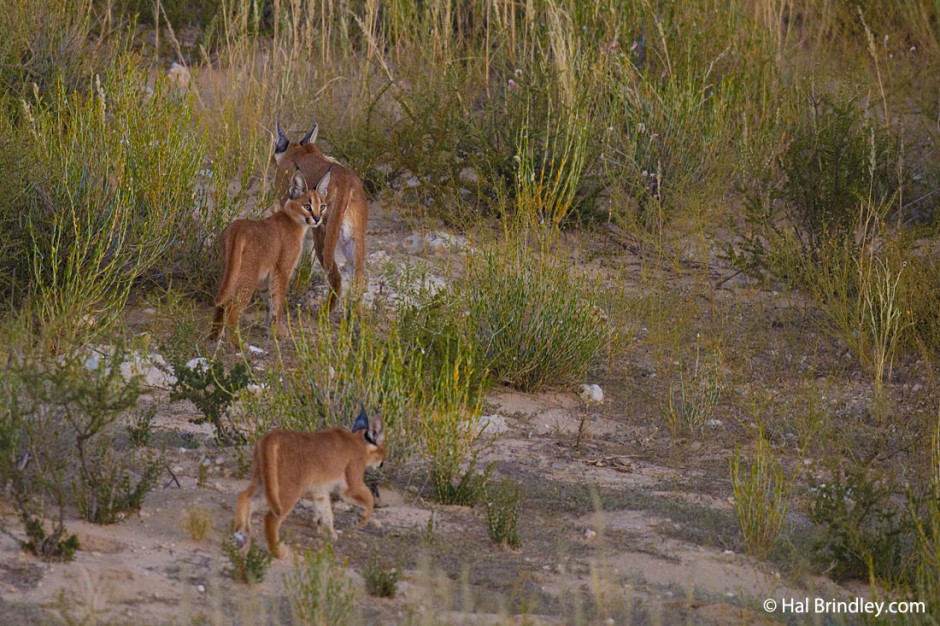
502,513
381,582
72,451
318,589
247,565
760,498
693,401
532,321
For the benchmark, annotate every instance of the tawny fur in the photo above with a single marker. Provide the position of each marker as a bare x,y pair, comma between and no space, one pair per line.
348,213
265,253
290,465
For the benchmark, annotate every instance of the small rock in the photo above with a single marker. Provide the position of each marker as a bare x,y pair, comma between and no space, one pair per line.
179,75
219,461
591,393
492,424
714,424
201,588
199,362
590,535
256,350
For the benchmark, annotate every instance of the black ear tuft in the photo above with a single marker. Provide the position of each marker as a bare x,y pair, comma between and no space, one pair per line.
362,421
311,137
281,142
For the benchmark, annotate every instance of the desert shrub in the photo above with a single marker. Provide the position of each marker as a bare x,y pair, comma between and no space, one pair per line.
521,316
25,486
448,431
339,368
760,498
860,529
247,565
693,400
114,199
55,546
197,522
381,582
68,410
212,388
502,513
836,161
318,590
532,322
140,427
47,41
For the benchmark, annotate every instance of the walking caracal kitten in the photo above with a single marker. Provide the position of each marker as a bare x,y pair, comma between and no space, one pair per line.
264,253
290,465
349,210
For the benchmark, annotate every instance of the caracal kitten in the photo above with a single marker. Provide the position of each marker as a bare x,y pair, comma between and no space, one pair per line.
290,465
264,253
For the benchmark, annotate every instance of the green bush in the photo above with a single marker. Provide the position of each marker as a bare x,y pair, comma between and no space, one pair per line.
67,411
860,531
212,388
381,582
531,320
246,565
502,513
318,590
761,495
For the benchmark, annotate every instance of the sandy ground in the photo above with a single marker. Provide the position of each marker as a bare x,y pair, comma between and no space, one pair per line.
608,529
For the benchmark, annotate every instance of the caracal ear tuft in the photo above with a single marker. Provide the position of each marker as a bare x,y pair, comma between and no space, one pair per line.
280,142
298,185
376,431
312,135
362,421
323,185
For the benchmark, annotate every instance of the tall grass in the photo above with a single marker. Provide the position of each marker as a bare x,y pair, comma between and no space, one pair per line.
114,190
761,495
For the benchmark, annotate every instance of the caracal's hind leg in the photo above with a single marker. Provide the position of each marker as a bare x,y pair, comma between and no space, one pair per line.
326,253
277,301
243,510
233,314
354,251
274,519
218,320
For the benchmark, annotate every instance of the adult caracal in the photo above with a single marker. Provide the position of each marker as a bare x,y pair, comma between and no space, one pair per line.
349,209
289,465
265,252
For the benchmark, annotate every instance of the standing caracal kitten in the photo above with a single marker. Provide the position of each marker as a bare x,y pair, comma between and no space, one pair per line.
289,465
349,210
265,252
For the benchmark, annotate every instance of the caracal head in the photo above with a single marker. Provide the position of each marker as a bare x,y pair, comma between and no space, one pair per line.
374,436
283,148
308,205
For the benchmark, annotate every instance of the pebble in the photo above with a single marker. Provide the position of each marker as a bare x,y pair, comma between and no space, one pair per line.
591,393
201,588
590,535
